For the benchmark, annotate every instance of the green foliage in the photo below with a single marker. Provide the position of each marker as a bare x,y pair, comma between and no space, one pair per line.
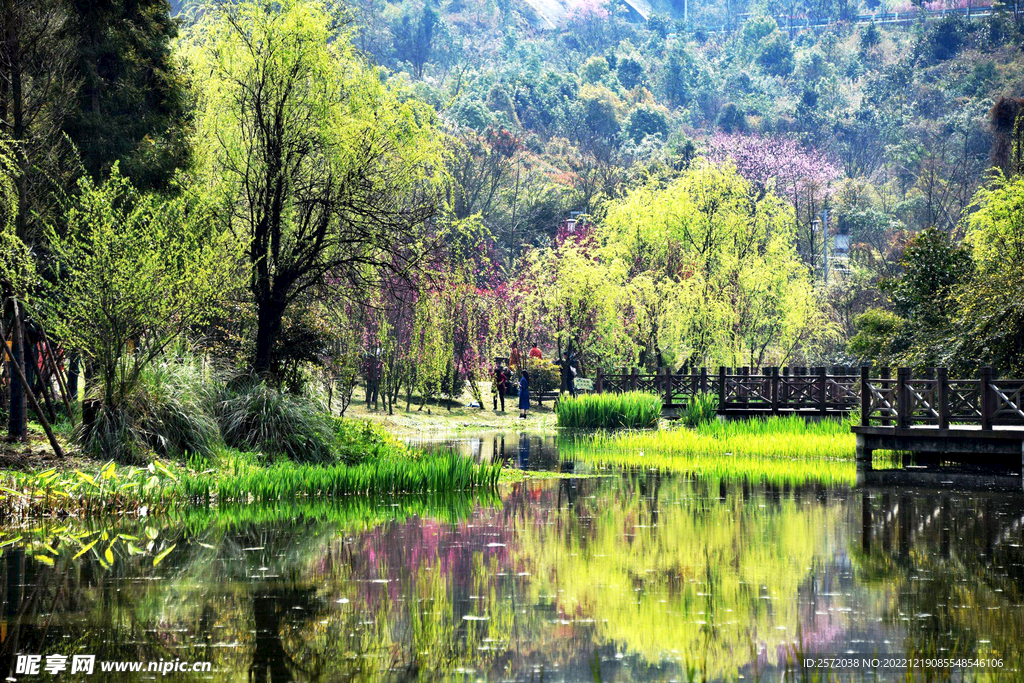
134,271
933,267
17,269
879,336
775,55
700,408
644,121
132,105
544,375
256,416
713,276
322,168
629,410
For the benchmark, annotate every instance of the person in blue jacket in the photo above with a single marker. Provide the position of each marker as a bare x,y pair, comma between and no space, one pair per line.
524,393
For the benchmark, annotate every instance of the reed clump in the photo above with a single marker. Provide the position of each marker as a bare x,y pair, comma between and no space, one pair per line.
630,410
442,472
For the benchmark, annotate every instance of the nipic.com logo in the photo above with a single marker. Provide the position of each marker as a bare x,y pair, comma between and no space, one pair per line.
36,665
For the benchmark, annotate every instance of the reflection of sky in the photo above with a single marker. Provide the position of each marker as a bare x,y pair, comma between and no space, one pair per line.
639,575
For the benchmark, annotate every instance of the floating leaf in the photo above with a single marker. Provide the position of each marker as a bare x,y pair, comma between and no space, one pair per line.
160,558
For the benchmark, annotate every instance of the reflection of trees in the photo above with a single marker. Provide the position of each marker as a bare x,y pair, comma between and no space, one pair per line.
954,567
676,569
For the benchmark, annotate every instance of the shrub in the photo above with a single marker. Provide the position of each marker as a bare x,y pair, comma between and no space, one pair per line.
631,410
357,441
544,375
702,407
259,417
170,411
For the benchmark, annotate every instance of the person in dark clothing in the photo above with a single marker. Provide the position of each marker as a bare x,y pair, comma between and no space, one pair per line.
500,386
524,393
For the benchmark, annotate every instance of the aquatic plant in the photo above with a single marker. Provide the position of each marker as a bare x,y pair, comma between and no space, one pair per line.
700,408
630,410
286,481
776,449
158,487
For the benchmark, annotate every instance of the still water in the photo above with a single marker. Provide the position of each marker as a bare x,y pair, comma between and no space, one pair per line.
628,577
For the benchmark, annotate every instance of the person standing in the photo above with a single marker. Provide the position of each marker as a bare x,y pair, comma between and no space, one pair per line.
535,352
500,386
524,393
513,358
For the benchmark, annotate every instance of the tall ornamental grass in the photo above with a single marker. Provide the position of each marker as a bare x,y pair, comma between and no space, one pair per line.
631,410
259,417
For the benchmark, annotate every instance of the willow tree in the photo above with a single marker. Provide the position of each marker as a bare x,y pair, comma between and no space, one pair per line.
719,271
324,171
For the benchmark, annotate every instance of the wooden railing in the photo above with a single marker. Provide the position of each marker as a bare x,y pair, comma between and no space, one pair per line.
931,399
936,400
747,391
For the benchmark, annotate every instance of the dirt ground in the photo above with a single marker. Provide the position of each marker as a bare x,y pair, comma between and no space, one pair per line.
440,419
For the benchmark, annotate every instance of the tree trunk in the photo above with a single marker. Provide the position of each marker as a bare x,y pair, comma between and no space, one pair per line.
17,423
268,326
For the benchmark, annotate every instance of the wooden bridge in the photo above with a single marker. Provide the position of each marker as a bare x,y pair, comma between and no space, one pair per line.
937,418
978,420
748,392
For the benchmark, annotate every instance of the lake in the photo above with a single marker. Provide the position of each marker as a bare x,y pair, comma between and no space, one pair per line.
630,576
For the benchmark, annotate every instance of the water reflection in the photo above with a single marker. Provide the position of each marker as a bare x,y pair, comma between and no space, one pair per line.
521,450
638,576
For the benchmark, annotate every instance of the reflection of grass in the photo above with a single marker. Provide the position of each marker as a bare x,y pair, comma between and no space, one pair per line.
107,539
773,449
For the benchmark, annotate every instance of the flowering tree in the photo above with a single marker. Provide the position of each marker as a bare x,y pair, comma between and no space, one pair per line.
783,165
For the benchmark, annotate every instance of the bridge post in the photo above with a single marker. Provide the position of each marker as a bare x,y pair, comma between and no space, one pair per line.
599,382
987,375
667,386
884,373
632,379
721,389
942,396
775,390
823,390
703,380
865,396
745,386
902,397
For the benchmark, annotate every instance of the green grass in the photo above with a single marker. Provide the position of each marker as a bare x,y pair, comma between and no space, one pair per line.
702,407
631,410
776,449
443,472
239,479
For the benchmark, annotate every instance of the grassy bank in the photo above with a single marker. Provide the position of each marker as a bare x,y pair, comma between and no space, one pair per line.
110,489
777,449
